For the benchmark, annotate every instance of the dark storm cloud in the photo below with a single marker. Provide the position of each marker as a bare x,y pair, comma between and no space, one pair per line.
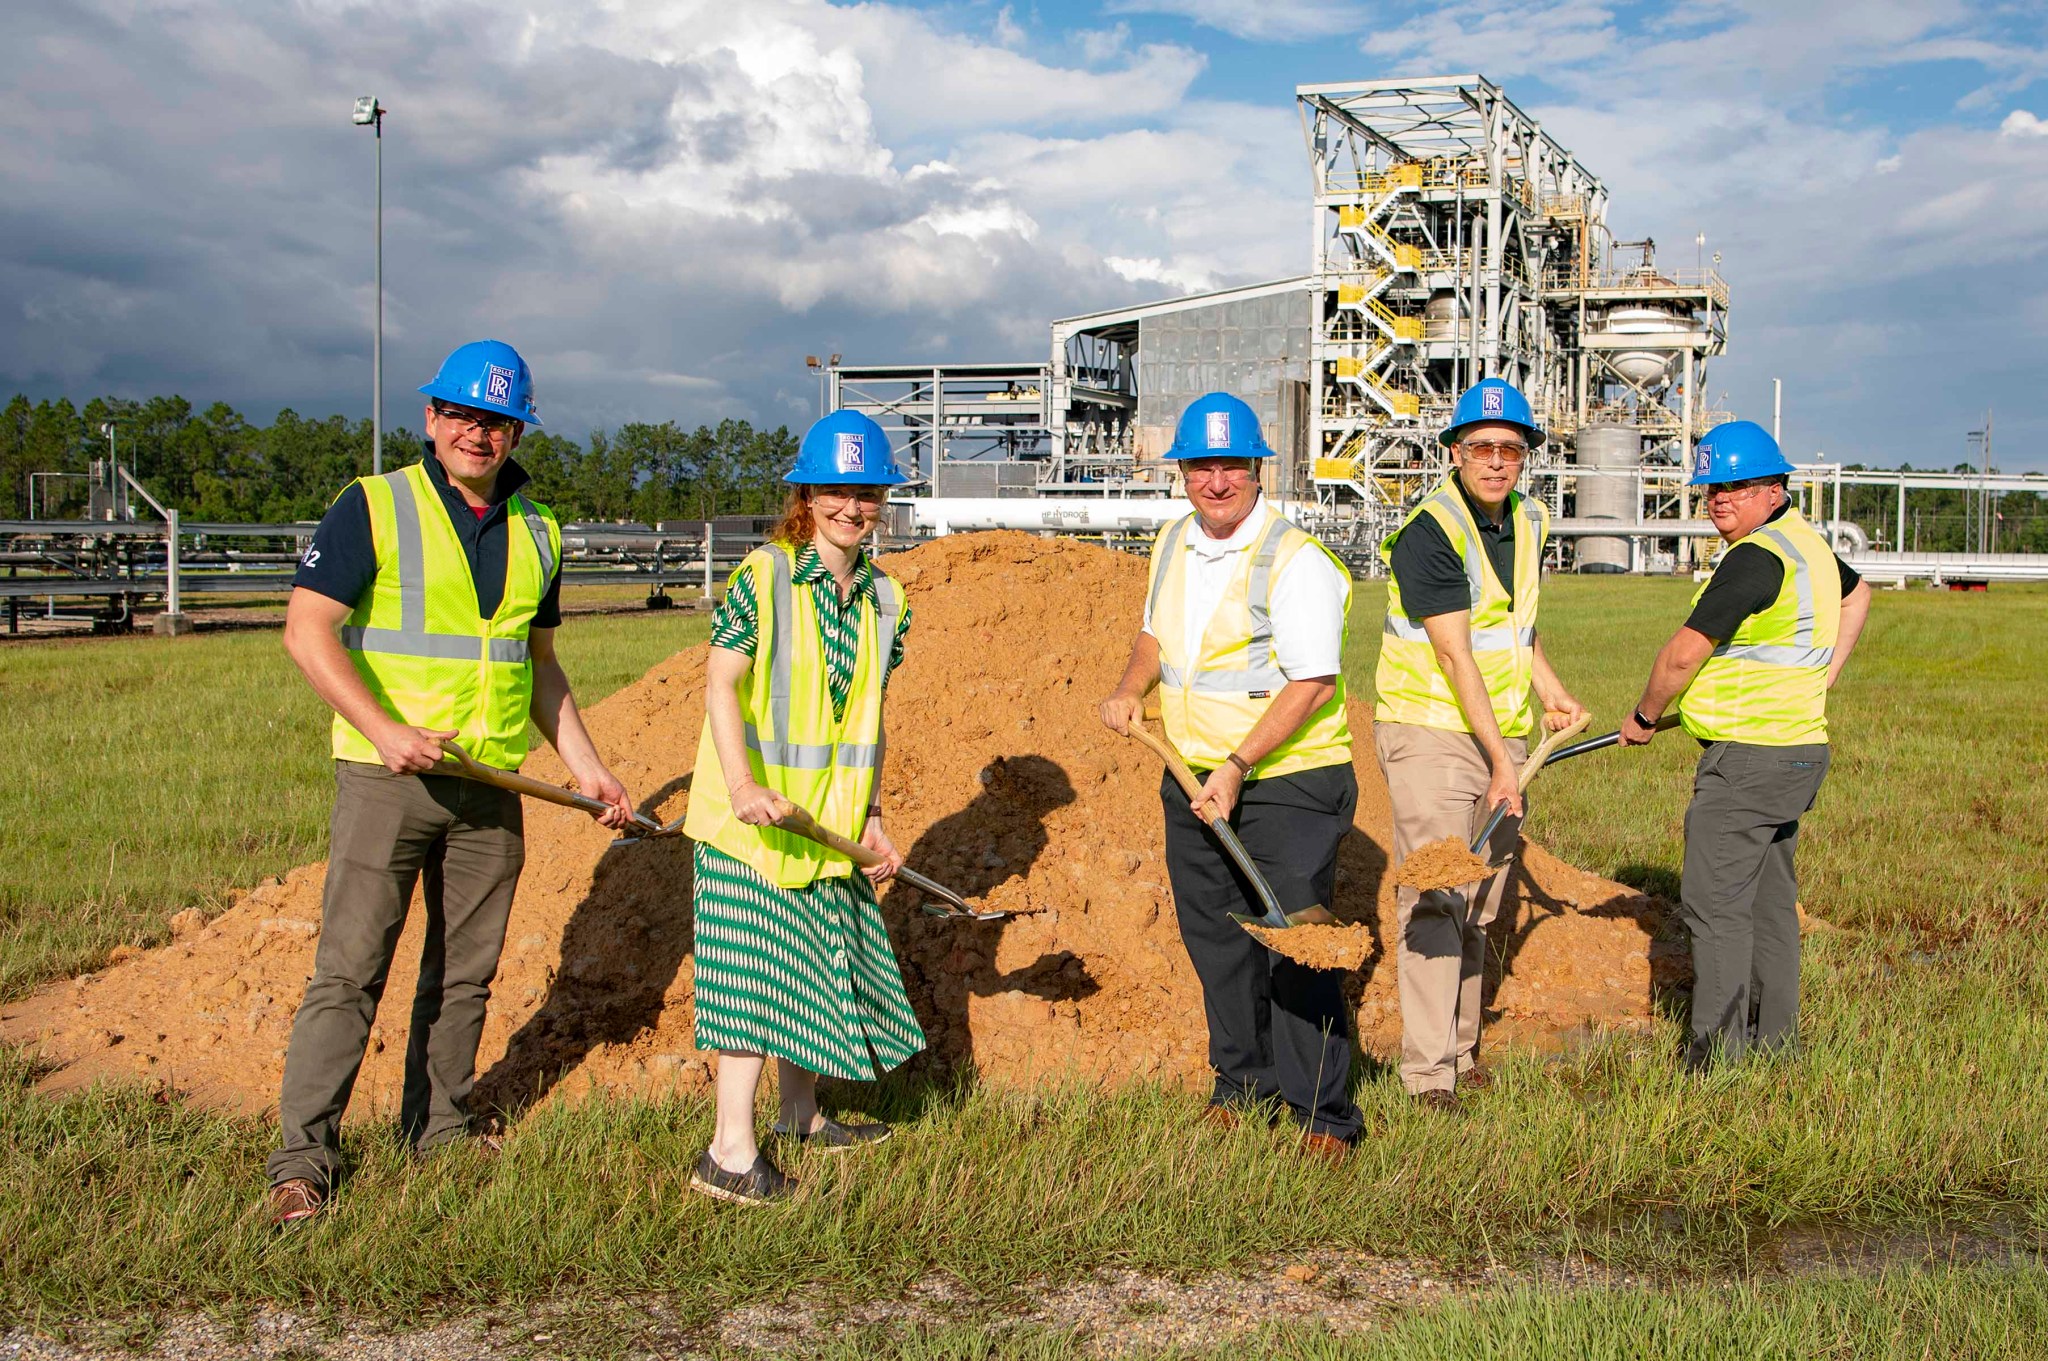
187,207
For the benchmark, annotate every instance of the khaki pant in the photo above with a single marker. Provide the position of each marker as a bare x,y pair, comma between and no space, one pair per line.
1437,780
388,832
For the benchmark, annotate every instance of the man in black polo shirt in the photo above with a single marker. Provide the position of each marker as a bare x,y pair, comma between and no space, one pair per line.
424,610
1460,662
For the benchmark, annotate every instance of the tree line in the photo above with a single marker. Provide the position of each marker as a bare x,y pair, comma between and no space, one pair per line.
215,465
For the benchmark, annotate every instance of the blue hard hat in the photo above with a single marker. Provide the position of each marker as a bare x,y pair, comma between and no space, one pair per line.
1218,425
490,376
1736,452
845,449
1492,399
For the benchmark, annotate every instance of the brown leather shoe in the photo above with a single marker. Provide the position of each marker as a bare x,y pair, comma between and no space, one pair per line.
1441,1100
1324,1148
292,1201
1476,1078
1218,1117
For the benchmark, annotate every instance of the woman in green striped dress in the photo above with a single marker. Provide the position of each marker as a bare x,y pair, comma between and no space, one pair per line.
792,961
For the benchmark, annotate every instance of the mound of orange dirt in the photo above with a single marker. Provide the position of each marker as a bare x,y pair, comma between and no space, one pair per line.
1001,783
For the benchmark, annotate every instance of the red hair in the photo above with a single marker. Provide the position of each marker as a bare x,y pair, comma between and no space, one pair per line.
796,527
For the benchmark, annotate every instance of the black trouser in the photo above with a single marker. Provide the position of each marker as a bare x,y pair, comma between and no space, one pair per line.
1277,1029
1740,899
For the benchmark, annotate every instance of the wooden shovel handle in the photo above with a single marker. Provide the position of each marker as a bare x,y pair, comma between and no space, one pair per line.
791,818
1181,773
1551,742
473,769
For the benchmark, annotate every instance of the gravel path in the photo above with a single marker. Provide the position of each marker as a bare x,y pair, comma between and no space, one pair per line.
1108,1314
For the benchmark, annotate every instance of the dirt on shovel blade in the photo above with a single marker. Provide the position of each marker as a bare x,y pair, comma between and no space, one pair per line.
1001,783
1442,864
1320,947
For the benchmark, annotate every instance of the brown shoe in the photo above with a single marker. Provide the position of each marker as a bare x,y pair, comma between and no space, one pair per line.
1476,1078
1324,1148
1441,1100
1218,1117
294,1200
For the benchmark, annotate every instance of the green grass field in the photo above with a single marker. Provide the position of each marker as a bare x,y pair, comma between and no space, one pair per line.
147,775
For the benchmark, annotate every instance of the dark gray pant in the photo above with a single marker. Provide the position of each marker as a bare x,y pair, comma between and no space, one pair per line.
388,832
1740,899
1277,1030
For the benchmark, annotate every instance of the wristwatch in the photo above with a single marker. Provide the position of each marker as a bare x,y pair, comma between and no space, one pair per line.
1244,767
1641,722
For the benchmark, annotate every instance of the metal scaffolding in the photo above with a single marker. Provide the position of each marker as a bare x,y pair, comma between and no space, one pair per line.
1453,240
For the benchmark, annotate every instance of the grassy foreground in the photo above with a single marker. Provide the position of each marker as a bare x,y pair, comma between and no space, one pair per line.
145,775
1917,1097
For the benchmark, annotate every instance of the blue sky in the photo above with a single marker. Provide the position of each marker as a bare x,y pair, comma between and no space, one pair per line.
666,205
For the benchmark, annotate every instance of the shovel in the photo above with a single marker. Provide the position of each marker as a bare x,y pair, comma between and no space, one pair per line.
469,768
1546,752
794,819
1225,833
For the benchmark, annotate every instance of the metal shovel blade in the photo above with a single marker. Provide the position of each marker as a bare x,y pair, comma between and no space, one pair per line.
644,828
956,906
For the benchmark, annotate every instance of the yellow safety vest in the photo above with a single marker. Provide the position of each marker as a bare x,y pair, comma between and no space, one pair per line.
1768,684
417,640
1213,690
1412,687
795,746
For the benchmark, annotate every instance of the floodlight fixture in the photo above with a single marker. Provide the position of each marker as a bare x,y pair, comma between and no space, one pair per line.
367,111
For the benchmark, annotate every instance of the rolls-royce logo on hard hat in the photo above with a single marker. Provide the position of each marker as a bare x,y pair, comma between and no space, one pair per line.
1493,401
498,385
1702,459
1219,429
848,452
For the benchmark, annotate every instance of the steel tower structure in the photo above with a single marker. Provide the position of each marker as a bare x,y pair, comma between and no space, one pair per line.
1453,239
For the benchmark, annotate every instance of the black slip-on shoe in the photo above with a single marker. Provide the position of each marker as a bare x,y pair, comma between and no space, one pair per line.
833,1137
761,1184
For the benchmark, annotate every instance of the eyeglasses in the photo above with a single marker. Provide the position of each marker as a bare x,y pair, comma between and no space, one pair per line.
1496,451
1736,491
870,498
1224,473
488,422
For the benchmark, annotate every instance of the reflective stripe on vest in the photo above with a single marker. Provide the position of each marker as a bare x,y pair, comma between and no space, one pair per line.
1212,693
417,640
1258,672
1411,684
1766,685
797,746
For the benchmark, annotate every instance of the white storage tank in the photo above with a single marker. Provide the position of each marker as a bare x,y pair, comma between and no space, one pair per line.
1608,456
1645,368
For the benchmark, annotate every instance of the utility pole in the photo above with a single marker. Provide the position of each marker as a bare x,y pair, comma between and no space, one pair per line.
1777,410
1983,516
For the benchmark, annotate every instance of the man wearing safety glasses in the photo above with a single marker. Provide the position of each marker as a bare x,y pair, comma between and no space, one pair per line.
1751,668
1460,660
425,611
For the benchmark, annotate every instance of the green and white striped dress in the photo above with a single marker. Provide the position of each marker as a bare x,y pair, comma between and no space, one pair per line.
803,974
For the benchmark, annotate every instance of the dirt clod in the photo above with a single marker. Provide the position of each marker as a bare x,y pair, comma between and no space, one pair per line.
1442,864
1320,947
1057,820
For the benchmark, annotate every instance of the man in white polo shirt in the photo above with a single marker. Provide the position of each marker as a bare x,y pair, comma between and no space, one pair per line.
1244,636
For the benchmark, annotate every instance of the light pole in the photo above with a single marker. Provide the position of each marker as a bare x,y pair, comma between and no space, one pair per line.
821,367
370,114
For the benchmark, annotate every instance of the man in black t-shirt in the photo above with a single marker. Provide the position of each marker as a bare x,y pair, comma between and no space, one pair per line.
1768,636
